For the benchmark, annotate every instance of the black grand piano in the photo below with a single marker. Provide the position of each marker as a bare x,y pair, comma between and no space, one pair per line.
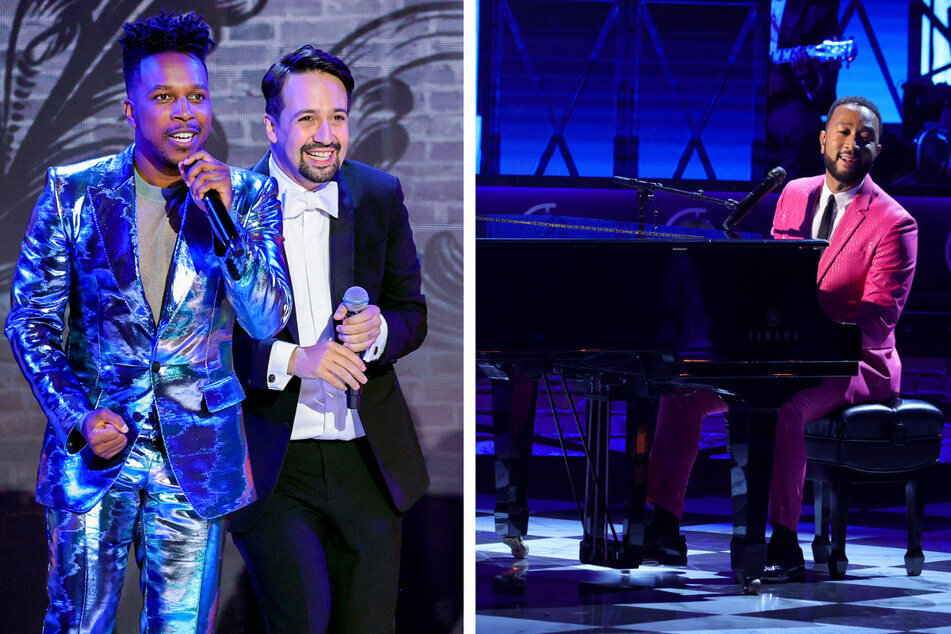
637,311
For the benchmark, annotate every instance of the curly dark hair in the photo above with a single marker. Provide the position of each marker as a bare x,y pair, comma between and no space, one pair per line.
857,100
180,33
305,59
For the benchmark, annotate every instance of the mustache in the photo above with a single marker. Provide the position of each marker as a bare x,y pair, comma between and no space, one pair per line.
320,146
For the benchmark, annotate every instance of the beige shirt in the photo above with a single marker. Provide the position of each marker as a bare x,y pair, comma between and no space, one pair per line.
156,242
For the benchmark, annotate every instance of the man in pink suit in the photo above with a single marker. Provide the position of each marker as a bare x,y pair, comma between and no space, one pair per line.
864,277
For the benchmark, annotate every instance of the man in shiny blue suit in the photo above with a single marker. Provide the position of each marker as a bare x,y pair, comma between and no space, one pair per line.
145,442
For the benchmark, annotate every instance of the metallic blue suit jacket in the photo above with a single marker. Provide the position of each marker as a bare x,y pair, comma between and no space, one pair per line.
79,258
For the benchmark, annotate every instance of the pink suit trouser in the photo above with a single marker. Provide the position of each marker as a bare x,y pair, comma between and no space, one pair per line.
677,441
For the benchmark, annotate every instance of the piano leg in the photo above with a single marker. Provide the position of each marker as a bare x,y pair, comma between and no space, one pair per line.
600,545
595,523
513,417
750,437
640,412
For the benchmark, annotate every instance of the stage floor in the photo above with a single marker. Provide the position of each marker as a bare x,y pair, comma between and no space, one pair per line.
550,591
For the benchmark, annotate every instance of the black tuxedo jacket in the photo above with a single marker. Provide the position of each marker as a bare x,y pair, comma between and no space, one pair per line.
371,245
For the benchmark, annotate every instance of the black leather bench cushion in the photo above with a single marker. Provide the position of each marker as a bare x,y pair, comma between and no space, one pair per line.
893,436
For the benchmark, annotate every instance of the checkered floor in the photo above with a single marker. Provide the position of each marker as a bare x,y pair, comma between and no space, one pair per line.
550,591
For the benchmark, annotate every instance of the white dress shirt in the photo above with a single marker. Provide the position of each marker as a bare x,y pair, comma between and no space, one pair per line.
321,408
842,200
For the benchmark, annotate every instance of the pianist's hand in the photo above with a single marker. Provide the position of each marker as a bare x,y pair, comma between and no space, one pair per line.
330,361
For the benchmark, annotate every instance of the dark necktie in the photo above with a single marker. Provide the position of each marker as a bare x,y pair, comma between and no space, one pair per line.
825,224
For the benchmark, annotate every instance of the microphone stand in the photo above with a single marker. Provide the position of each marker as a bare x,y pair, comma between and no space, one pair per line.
646,189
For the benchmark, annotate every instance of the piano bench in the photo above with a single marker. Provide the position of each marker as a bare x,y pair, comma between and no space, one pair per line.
892,441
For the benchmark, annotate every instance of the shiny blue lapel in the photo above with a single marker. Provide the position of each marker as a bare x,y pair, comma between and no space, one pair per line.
262,167
192,252
112,204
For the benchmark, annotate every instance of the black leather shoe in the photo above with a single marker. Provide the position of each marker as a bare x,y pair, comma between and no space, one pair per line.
666,550
785,567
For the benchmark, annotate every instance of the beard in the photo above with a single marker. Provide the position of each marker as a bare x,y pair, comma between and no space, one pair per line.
320,174
852,176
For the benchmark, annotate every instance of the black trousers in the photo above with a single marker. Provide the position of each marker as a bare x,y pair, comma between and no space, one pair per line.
325,554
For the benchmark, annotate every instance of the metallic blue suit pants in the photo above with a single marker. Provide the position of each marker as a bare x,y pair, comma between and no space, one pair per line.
178,552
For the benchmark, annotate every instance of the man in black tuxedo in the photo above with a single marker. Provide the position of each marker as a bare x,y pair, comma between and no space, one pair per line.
322,542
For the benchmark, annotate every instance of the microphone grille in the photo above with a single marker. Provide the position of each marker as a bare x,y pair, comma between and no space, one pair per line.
356,299
777,174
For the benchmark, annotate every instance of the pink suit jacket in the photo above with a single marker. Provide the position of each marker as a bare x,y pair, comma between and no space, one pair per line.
864,275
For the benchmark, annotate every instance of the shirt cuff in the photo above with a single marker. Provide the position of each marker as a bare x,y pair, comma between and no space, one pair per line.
375,351
279,359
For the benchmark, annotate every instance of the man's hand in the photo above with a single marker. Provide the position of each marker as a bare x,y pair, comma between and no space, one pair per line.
359,331
329,361
802,64
105,432
202,173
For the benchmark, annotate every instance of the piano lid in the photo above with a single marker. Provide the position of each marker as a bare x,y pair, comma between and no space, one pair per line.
550,227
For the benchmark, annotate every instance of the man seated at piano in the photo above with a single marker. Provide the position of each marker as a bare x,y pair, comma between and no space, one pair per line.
864,277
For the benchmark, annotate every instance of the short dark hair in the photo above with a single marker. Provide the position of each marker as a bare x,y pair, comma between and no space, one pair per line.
858,101
305,59
179,33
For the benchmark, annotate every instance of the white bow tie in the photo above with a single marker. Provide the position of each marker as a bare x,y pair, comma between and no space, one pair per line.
298,202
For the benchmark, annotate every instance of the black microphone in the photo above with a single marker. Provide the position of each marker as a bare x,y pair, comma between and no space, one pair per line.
773,180
221,223
223,228
355,300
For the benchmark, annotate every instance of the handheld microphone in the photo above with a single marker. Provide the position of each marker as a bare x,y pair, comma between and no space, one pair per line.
773,180
355,300
224,230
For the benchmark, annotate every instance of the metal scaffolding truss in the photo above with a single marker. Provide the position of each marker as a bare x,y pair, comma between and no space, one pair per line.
503,24
696,126
631,47
857,7
936,28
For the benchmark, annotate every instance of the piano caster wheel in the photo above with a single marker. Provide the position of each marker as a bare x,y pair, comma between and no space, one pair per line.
750,586
519,549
